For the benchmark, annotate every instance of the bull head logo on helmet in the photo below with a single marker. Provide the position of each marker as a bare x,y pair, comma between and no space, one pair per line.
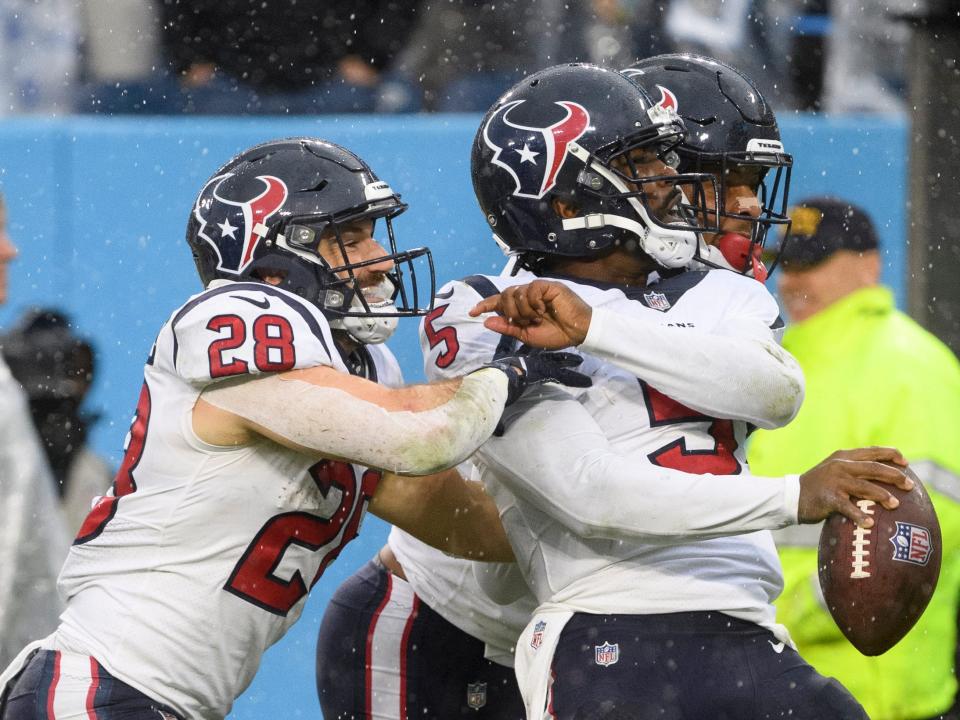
533,155
235,227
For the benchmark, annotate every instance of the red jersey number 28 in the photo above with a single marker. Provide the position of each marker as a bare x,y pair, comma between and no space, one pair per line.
273,349
255,577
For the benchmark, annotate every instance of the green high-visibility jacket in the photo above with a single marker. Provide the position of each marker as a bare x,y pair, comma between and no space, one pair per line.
874,377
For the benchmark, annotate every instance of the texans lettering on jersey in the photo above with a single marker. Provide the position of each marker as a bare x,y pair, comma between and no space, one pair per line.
201,556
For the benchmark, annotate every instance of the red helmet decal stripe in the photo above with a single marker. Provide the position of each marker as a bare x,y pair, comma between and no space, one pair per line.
262,207
565,132
668,101
533,155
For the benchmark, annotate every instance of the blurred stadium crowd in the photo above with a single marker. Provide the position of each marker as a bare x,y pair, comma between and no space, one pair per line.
284,57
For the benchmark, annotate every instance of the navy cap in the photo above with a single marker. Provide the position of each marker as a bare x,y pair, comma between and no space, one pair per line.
822,225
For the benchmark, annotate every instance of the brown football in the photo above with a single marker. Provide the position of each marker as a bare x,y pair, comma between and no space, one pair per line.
877,581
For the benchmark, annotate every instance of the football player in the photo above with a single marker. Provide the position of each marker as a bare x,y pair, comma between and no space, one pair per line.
409,630
679,624
257,445
732,134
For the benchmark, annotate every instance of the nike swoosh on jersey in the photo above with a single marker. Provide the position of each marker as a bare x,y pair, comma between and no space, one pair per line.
262,304
777,647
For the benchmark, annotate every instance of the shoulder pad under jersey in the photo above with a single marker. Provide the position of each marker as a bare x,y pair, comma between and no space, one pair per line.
746,296
453,343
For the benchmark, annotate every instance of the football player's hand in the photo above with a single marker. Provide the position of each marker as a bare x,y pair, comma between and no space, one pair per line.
536,368
544,314
846,476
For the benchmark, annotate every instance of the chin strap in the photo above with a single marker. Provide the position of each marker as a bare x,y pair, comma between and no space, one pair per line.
669,248
368,330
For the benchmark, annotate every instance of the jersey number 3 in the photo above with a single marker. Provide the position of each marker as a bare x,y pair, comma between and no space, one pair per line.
718,461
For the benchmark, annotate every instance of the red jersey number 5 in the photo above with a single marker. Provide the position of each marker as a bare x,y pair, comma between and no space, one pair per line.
446,335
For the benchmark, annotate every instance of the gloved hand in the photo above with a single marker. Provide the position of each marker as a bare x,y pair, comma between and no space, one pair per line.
524,370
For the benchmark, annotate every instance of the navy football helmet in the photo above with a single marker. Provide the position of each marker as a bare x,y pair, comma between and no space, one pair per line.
265,210
730,128
579,133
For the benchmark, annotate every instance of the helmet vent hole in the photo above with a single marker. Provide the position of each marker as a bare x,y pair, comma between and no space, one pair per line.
534,83
261,157
318,187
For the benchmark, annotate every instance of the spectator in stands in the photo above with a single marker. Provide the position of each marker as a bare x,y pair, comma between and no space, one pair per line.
121,62
874,377
33,541
462,54
250,56
754,35
866,56
55,367
38,54
615,33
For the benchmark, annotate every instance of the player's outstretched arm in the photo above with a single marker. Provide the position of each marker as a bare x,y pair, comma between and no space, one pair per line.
749,376
412,430
418,429
596,491
446,511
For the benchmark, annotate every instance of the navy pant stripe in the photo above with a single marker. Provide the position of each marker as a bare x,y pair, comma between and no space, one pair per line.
46,685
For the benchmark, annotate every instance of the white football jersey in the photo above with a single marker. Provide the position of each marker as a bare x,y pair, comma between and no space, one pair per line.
200,557
738,575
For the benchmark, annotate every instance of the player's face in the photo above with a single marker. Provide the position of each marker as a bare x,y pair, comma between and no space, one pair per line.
740,185
8,251
359,245
661,196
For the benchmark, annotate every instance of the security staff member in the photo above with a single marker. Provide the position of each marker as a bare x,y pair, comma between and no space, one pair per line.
874,377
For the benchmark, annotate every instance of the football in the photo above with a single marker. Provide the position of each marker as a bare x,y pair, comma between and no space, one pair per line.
877,581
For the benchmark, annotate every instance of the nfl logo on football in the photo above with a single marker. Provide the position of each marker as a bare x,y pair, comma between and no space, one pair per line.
476,695
657,300
537,640
606,654
911,543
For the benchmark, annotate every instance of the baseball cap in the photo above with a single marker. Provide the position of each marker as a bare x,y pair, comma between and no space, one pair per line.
822,225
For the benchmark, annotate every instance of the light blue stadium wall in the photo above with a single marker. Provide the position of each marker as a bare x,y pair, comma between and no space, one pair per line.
98,208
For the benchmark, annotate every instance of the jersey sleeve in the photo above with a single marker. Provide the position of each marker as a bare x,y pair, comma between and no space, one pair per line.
247,329
453,343
555,456
751,310
736,371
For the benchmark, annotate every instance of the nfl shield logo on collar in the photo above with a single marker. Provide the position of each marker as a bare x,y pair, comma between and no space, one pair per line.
537,638
606,654
911,543
657,301
476,695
